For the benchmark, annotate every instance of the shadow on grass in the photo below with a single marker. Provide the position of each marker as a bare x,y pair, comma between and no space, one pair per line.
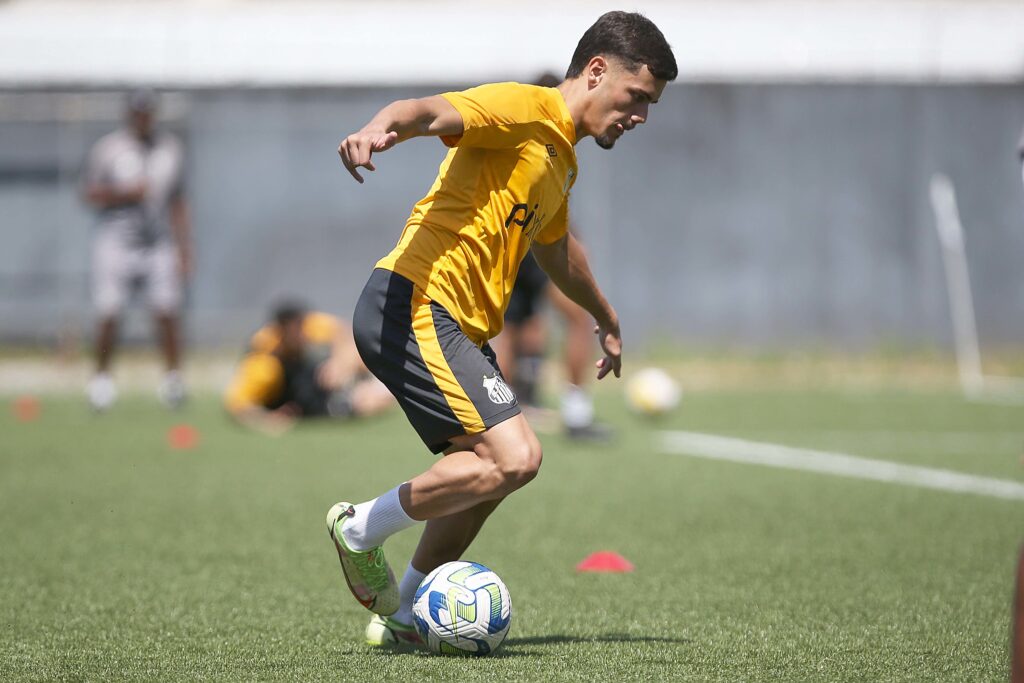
522,647
605,638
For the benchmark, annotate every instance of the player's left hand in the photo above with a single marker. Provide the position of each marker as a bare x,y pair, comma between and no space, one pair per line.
611,343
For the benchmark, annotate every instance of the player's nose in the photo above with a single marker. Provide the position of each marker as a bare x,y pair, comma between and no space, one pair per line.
639,115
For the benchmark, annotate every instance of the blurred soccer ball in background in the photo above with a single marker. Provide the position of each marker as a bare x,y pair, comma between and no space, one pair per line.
462,608
652,391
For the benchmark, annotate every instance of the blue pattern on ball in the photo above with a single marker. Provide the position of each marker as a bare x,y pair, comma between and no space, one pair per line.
422,626
423,588
437,602
497,624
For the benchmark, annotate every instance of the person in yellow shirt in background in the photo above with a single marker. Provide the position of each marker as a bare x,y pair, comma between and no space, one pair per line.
302,364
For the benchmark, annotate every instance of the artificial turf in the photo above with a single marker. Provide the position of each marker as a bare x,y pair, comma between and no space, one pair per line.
125,559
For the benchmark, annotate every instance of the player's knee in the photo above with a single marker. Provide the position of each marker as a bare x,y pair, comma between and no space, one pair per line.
520,464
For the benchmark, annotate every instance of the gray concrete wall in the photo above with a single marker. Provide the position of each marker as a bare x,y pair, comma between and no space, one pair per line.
743,215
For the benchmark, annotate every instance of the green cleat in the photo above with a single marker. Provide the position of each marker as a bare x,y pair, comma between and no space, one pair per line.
367,572
388,632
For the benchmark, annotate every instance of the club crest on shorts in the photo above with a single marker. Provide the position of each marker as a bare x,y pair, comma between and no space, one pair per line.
497,390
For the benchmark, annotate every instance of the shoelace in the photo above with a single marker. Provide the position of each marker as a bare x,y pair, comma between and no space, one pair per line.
374,568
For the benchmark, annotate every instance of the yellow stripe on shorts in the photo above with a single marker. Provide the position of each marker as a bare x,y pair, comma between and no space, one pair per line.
430,349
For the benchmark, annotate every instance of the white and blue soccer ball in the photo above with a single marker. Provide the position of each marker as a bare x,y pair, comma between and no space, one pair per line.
462,608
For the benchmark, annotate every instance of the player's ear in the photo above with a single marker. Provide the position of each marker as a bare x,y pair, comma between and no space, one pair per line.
596,70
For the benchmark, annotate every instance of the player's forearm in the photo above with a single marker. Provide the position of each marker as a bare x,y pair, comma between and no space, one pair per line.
181,225
408,118
247,412
398,121
262,420
106,197
583,290
572,275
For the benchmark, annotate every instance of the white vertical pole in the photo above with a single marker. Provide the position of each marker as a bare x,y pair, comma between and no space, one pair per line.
958,284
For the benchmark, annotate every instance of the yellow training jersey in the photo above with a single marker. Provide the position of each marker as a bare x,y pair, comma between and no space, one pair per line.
259,380
504,184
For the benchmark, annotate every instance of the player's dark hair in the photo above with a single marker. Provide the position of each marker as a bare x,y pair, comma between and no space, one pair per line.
630,37
547,80
141,100
289,311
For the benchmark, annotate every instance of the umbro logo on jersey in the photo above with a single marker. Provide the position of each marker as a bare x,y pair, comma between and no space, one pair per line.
497,390
552,152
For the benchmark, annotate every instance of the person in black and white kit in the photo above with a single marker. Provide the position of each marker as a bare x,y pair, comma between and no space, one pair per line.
133,179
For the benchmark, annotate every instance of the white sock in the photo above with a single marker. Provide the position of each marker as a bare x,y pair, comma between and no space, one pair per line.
375,520
577,407
407,591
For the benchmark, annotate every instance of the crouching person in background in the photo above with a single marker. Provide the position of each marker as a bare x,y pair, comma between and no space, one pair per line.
302,364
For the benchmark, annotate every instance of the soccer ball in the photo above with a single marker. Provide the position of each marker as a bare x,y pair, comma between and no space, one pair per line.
462,608
652,391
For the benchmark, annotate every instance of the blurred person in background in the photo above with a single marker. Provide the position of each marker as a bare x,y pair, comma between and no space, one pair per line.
134,180
302,364
522,345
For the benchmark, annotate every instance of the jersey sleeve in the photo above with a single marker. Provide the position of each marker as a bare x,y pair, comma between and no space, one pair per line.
258,381
556,228
494,116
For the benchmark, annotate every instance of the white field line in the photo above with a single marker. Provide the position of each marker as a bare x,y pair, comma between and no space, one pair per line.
919,441
824,462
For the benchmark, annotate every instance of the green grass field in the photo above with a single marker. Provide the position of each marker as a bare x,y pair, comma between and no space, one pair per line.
123,559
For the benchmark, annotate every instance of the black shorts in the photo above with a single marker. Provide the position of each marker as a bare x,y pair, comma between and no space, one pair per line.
302,388
446,384
527,293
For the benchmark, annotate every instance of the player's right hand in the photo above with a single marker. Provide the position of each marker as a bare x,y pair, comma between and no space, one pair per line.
357,149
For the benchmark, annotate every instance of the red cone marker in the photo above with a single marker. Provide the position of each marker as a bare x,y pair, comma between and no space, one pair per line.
605,561
182,437
26,408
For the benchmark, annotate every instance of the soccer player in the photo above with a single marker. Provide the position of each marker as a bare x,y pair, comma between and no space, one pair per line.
302,364
424,318
134,180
